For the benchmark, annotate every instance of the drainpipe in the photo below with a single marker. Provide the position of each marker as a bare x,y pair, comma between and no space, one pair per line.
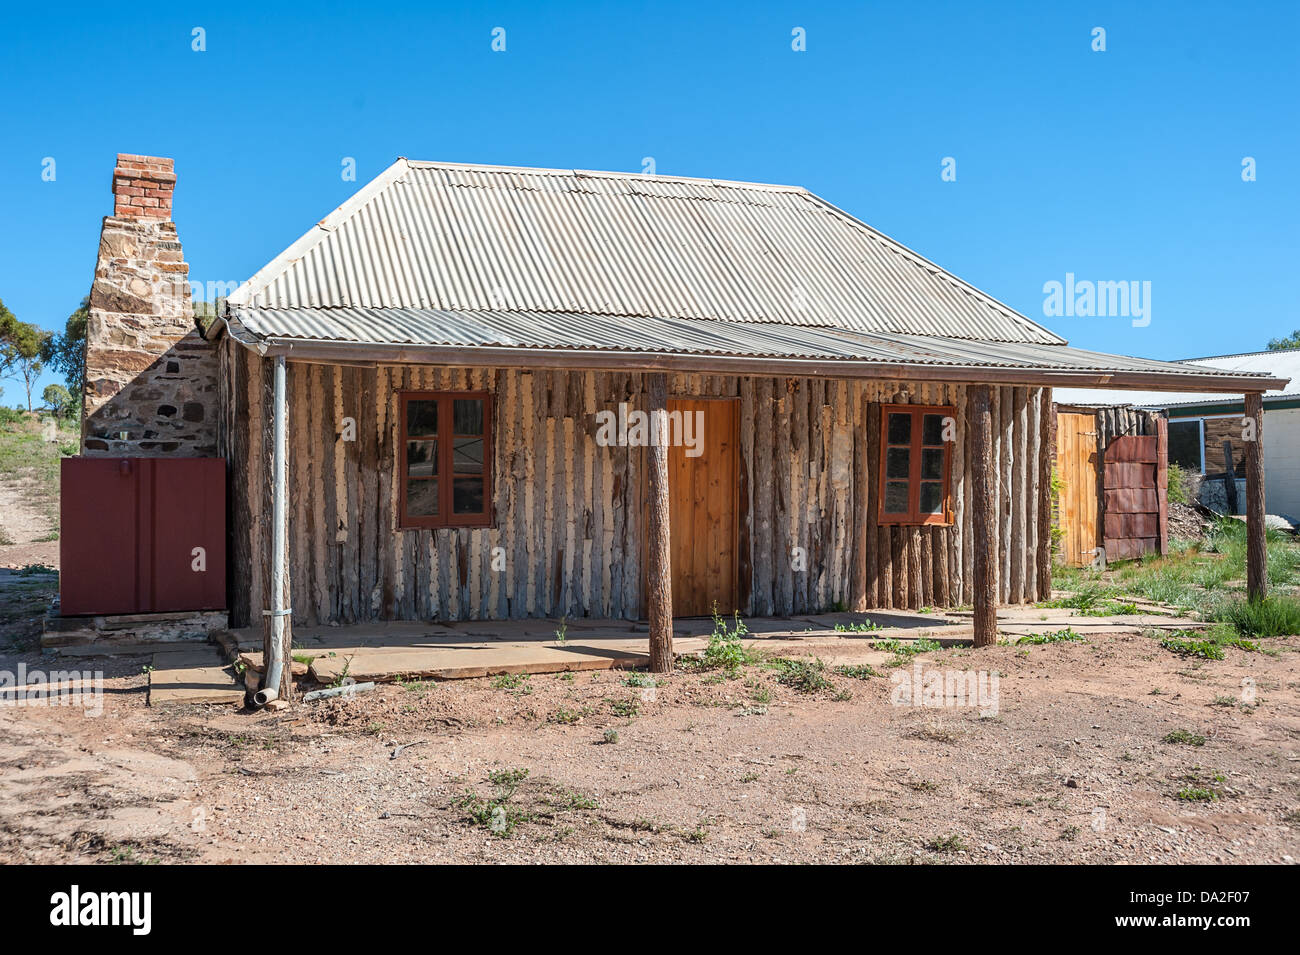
275,665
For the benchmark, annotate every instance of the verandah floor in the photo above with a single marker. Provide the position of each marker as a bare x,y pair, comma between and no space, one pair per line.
387,652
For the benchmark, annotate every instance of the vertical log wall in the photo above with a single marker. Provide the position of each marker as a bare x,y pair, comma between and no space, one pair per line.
568,533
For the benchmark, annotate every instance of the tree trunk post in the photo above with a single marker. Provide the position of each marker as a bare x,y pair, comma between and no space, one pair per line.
1256,546
984,543
659,583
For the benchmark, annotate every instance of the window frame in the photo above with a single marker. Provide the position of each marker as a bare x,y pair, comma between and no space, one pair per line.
445,517
914,515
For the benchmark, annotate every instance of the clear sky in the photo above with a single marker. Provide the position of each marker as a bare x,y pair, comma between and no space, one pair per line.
1122,165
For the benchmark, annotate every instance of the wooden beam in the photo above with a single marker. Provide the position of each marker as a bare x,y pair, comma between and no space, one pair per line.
862,516
983,517
659,580
1256,549
460,356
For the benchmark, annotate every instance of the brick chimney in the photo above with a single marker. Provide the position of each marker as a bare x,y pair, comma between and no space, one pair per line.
151,379
143,187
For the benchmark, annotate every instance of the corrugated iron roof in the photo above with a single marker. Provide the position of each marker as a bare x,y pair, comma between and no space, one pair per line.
1281,364
490,238
470,264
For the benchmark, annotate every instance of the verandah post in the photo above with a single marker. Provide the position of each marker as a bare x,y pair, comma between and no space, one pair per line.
659,558
1256,546
984,541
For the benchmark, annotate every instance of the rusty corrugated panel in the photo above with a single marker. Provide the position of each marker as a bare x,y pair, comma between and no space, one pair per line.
1131,500
129,529
1132,448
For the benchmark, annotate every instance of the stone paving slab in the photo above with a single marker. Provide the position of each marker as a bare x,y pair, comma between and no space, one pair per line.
197,676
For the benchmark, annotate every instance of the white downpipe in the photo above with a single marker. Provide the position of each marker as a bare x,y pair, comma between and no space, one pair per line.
275,665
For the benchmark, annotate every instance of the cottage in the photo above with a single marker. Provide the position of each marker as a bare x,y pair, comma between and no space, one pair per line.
419,390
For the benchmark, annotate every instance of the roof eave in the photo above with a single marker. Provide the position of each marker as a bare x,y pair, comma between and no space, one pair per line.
311,350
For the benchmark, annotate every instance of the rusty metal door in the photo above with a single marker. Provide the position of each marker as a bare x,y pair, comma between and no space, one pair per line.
142,535
1135,484
1076,467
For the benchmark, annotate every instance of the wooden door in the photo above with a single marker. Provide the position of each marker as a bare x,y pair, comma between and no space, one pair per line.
1076,468
703,506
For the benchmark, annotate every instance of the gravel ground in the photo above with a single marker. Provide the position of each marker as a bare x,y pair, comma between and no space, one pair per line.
1073,767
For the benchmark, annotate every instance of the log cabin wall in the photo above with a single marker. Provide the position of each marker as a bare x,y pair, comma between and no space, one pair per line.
568,511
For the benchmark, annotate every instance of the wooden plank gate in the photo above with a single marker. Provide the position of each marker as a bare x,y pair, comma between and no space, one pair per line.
1076,465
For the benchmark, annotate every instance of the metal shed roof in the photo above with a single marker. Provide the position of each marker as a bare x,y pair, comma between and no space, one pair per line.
485,238
1281,364
454,264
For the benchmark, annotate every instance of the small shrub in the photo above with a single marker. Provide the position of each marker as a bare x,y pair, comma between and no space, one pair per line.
726,651
857,671
1277,615
1191,648
1185,737
1197,794
951,843
610,737
865,626
1177,490
804,675
1066,635
903,651
511,681
625,709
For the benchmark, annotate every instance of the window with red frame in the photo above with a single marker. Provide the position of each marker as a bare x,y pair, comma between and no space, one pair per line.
915,464
446,459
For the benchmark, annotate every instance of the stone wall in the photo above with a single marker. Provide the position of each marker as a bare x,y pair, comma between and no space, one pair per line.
151,379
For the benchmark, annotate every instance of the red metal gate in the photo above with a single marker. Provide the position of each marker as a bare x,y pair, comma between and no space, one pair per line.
142,535
1136,482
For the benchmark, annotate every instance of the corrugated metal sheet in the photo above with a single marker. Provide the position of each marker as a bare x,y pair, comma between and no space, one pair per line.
474,239
542,330
1280,364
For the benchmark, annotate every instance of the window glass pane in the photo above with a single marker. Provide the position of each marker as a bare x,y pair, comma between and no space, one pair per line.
467,416
932,463
898,463
467,495
467,455
421,417
931,497
896,497
1185,444
900,429
422,498
932,429
421,458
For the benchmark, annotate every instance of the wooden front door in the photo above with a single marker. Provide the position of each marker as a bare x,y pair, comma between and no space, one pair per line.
703,506
1076,468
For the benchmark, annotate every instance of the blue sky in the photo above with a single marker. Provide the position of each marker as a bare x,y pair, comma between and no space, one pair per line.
1123,165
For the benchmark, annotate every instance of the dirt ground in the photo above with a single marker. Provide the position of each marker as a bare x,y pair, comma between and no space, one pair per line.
24,529
1073,767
